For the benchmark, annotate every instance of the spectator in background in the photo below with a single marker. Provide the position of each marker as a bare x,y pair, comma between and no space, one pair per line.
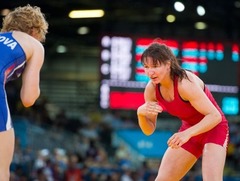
122,156
73,171
92,151
21,53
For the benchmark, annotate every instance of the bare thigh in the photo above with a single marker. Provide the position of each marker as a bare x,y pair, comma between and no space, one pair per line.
6,149
213,157
175,164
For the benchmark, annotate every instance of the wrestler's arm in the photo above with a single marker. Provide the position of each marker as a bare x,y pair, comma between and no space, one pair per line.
193,92
148,112
30,89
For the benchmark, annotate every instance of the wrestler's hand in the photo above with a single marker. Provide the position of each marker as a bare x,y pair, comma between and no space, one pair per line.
153,108
178,139
147,116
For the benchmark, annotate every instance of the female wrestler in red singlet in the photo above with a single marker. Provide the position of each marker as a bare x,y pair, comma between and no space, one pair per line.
204,130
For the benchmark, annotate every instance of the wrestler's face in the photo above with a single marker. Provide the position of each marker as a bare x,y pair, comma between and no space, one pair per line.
157,72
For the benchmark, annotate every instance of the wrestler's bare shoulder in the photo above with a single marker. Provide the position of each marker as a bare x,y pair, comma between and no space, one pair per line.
28,43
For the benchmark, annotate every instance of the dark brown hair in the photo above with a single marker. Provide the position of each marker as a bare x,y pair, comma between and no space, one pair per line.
161,53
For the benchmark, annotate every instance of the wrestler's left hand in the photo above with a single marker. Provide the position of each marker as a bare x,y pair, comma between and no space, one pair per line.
178,139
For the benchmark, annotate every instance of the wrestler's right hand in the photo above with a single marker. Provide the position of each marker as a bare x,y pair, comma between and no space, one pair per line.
153,108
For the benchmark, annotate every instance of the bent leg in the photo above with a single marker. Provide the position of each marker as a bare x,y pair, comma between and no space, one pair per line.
175,164
6,153
213,162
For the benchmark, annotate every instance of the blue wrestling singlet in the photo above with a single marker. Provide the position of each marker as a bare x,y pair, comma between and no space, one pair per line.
12,63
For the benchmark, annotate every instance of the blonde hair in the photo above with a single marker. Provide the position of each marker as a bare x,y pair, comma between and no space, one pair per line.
26,19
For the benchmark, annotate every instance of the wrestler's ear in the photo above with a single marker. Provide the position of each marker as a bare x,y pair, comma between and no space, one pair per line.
36,34
168,65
